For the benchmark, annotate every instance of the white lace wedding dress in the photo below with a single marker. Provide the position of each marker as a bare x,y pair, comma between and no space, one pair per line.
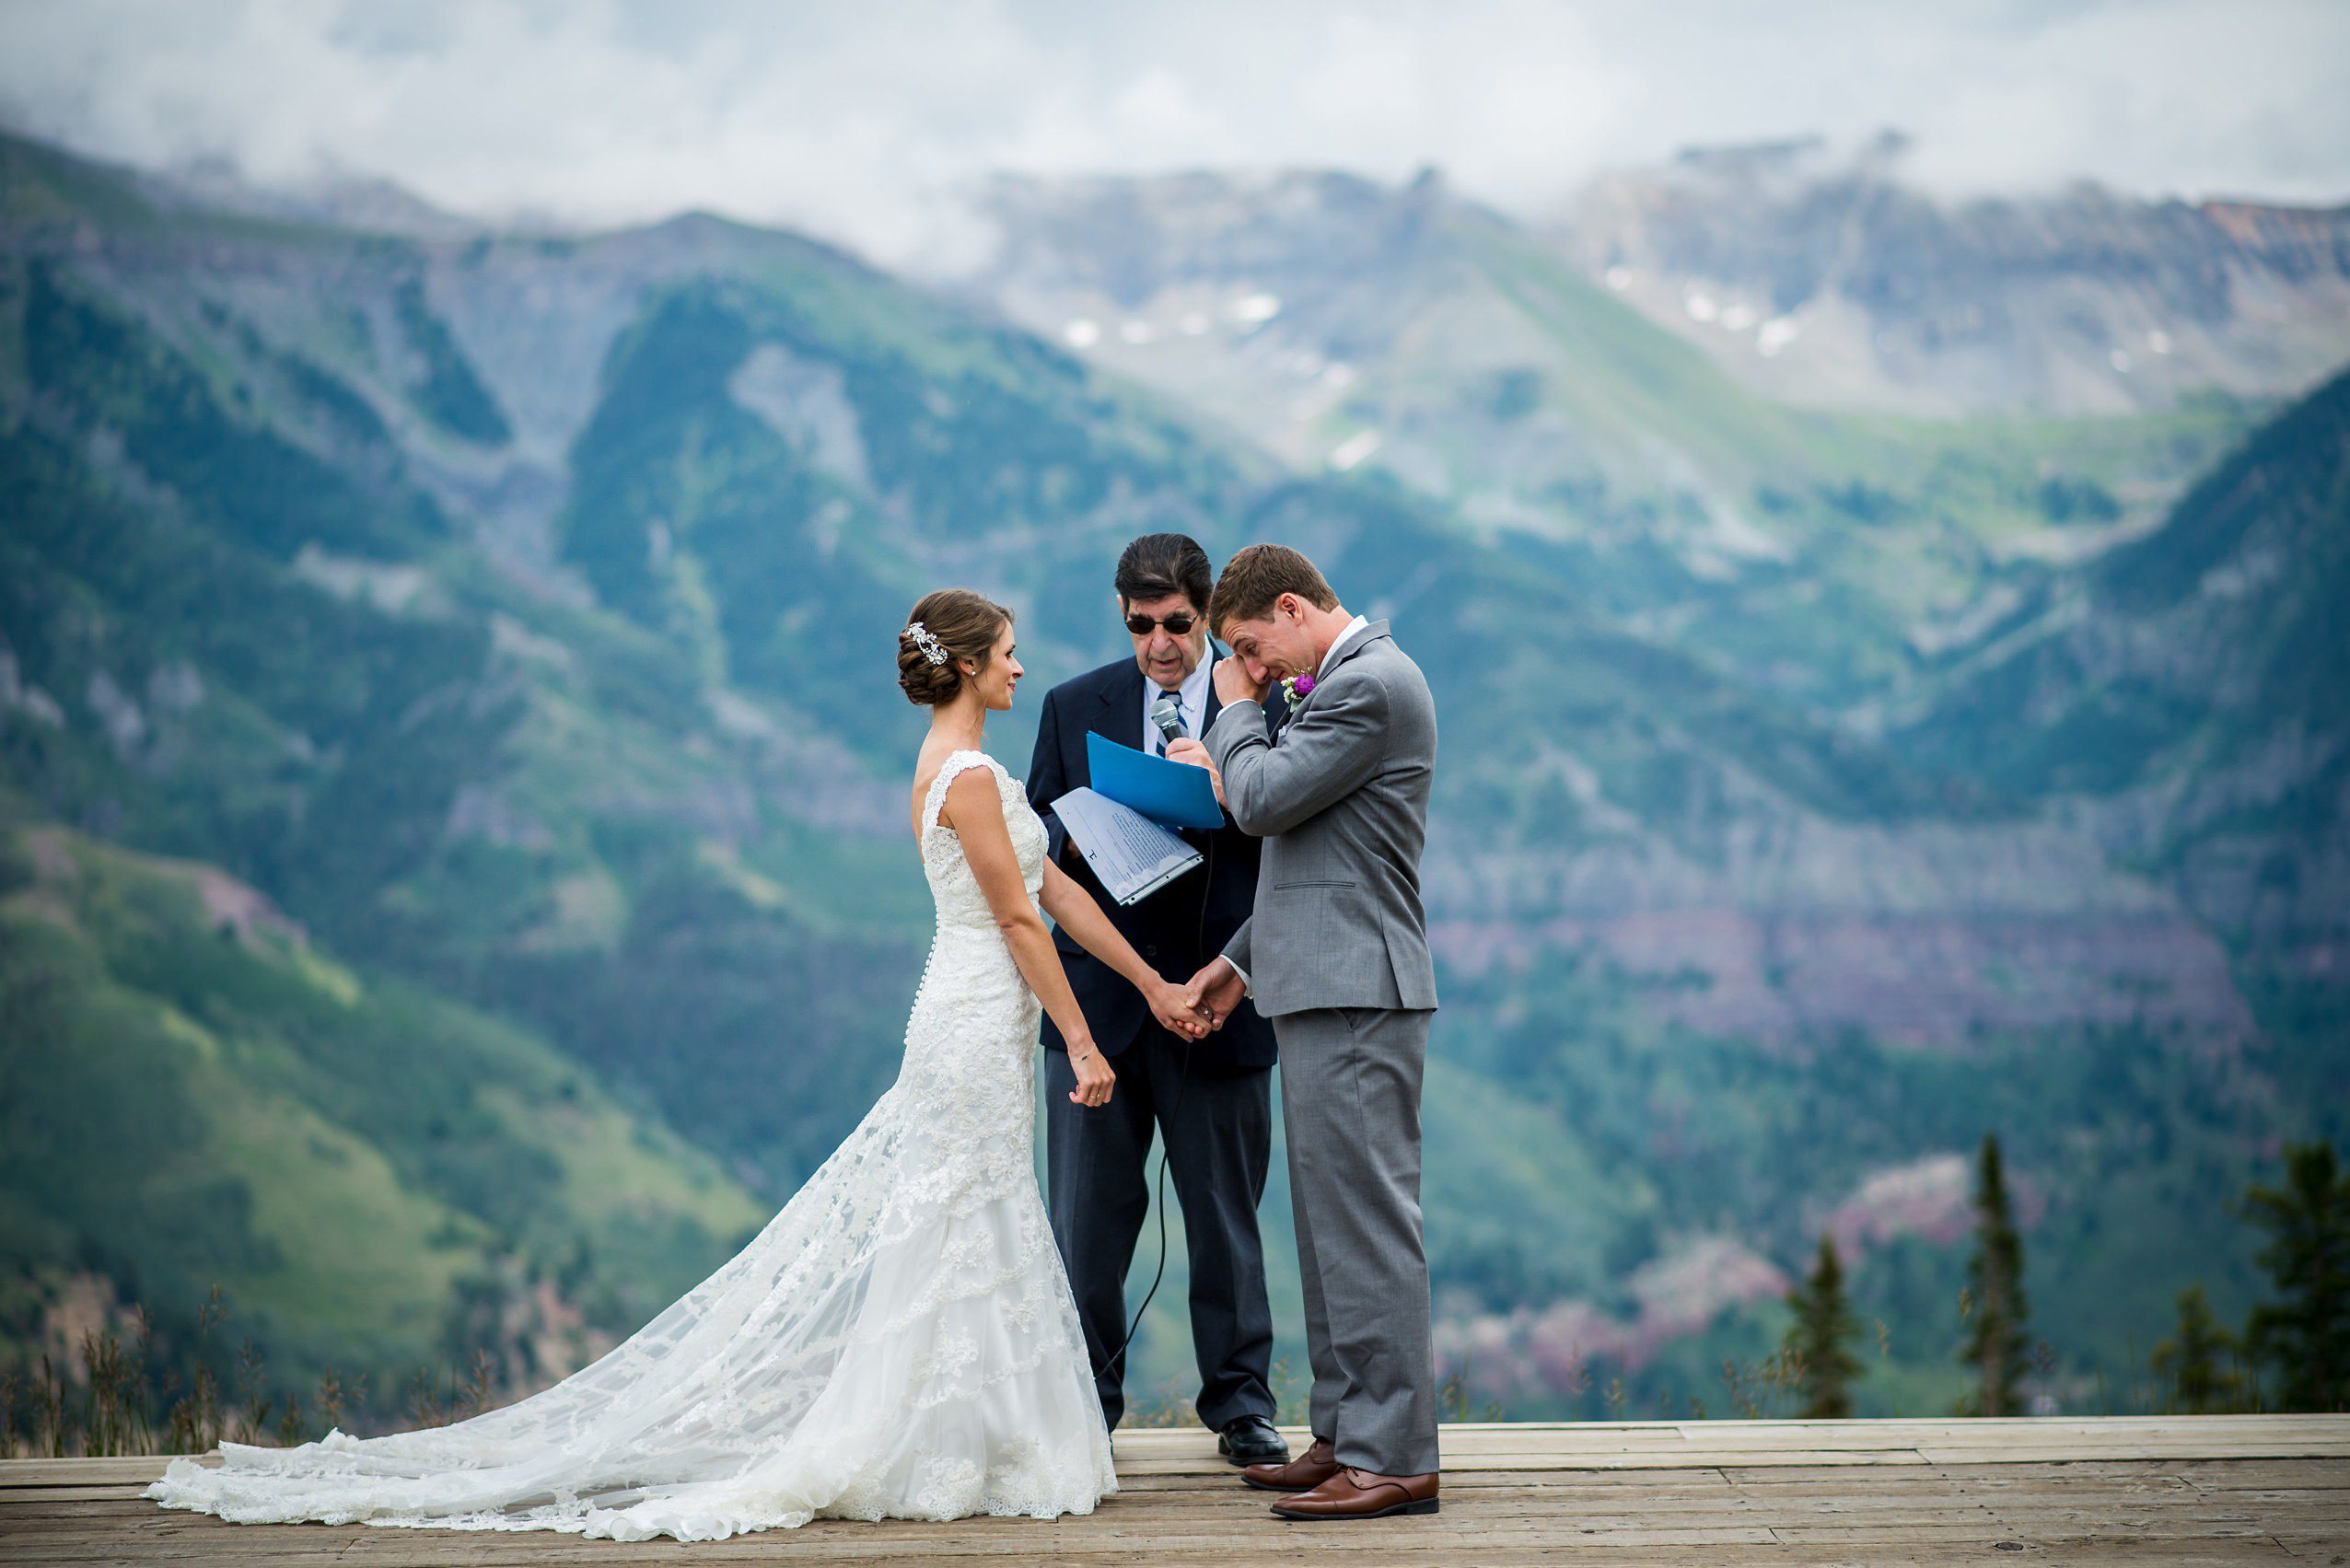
900,1342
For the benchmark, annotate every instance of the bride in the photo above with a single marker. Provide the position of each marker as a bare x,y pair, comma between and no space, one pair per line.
900,1342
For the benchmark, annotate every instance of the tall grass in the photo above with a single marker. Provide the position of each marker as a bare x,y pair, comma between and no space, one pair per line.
122,1396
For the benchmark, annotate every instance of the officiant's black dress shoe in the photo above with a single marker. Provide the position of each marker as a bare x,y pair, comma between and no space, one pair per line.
1251,1440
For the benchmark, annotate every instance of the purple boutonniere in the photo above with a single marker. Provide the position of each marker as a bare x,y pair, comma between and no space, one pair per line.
1297,689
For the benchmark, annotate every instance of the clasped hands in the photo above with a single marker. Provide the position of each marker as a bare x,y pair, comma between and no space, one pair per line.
1215,992
1192,1009
1171,1005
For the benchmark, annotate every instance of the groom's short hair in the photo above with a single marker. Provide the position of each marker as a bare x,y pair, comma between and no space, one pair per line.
1160,563
1257,577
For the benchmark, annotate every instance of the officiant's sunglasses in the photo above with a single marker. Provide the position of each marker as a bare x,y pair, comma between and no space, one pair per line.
1179,624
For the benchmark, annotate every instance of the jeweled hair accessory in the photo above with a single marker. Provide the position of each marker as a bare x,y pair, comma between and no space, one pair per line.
932,648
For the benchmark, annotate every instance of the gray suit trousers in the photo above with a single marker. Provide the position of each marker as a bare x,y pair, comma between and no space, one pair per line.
1350,1100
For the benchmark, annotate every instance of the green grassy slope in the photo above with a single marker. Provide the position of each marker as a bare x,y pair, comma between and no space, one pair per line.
197,1096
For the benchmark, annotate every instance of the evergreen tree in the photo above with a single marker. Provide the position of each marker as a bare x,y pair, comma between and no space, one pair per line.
2189,1360
2305,1334
1819,1338
1996,1347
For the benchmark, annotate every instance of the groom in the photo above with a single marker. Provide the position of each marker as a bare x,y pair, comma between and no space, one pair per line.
1336,956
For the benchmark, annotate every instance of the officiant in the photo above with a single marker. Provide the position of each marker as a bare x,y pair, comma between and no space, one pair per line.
1210,1100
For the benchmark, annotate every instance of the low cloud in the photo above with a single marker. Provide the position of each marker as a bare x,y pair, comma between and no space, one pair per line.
859,123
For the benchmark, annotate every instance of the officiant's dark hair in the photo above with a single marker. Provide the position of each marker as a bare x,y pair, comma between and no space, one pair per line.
965,625
1160,563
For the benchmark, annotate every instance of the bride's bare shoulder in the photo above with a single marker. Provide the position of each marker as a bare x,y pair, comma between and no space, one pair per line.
974,780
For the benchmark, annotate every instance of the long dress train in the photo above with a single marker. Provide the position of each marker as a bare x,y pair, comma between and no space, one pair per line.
899,1342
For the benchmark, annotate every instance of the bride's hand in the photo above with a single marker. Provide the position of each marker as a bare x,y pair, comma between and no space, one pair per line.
1176,1015
1095,1080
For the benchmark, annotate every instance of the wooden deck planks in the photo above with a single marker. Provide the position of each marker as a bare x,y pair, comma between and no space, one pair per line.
1795,1494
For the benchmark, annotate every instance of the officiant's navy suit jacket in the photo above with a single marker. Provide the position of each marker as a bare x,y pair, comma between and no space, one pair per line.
1177,929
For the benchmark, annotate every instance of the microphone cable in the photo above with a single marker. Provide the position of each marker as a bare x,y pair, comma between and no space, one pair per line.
1165,1139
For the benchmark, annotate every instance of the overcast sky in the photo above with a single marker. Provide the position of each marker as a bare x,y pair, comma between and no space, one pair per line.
852,118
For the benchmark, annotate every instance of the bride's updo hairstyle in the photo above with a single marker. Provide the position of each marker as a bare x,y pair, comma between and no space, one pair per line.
956,623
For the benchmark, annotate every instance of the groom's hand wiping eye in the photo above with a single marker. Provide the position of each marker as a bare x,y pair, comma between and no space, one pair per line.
1233,684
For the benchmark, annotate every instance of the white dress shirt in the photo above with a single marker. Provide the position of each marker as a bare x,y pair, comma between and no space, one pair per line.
1192,694
1357,625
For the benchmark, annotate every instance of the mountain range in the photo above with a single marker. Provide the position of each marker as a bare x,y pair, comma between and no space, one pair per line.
431,645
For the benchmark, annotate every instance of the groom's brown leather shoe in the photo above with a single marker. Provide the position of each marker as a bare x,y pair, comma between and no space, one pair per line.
1358,1494
1308,1470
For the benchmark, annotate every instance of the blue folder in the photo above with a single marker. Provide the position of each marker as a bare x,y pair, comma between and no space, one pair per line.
1175,794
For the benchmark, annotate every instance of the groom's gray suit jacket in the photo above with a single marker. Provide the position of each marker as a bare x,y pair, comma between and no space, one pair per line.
1342,803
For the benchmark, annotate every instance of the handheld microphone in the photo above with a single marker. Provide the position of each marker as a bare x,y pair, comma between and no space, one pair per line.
1167,715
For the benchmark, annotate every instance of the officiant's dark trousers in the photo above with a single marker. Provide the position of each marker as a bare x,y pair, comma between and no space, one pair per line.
1219,1139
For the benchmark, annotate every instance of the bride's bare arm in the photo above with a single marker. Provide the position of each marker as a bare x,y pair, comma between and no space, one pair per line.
976,811
1073,908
